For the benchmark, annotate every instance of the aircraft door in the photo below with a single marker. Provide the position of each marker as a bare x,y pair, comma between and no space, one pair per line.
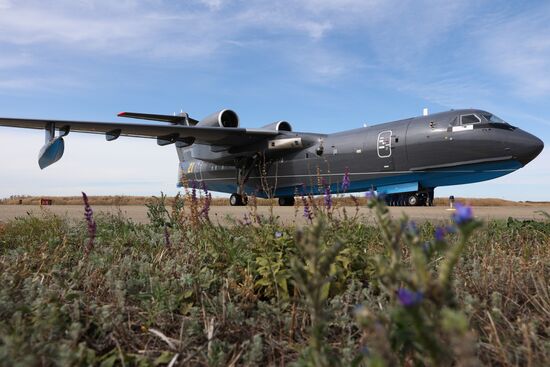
384,151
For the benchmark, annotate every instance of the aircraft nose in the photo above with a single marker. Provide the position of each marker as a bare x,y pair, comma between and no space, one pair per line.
528,147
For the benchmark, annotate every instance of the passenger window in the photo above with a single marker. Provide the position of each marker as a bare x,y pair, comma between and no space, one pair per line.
469,119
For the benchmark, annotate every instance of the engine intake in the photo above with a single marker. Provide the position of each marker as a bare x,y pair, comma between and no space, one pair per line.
223,118
279,126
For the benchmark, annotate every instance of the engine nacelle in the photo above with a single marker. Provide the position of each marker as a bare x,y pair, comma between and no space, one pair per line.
223,118
279,126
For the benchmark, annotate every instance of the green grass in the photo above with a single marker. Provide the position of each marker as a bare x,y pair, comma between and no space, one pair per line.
266,294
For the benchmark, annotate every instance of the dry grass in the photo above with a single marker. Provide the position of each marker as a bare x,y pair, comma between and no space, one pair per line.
189,291
119,200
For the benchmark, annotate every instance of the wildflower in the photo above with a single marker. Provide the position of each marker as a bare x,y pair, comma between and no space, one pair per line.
410,227
207,200
328,197
346,181
440,233
278,234
166,236
307,210
409,298
373,195
463,214
206,207
194,191
92,227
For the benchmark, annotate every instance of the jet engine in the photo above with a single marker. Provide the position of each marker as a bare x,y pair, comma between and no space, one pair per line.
223,118
279,126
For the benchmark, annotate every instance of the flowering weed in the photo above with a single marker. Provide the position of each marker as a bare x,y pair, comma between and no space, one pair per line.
183,290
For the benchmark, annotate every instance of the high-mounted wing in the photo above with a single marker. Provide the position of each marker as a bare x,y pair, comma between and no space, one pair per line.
206,135
178,134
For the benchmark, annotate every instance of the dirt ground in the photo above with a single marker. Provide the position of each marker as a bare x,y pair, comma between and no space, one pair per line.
287,215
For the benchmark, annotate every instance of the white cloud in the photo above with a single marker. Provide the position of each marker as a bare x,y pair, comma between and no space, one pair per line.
401,37
324,65
213,4
109,27
518,48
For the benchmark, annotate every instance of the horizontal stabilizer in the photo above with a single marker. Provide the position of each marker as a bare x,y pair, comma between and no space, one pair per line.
179,119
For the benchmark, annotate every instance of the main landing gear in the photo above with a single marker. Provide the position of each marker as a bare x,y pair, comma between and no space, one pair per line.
238,200
418,198
286,201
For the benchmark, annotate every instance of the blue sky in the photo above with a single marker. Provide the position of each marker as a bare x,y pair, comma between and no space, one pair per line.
323,65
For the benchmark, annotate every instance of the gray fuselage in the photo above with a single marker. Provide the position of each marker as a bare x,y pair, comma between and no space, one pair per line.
421,153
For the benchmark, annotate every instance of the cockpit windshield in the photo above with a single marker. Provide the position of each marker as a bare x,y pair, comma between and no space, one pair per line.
494,118
469,119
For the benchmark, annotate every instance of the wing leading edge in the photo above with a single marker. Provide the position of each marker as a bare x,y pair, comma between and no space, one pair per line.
206,135
180,135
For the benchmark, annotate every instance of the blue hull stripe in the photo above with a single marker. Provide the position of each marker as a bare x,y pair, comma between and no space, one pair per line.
403,179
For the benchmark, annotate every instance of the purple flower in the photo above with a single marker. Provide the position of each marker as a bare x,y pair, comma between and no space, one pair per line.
207,200
411,228
307,210
92,227
166,236
206,208
193,191
328,197
440,233
278,234
409,298
463,214
369,195
346,181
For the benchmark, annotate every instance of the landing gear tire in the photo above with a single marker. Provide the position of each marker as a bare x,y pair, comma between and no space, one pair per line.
286,201
237,200
412,200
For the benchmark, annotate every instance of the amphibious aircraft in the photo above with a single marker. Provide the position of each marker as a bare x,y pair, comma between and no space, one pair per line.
405,160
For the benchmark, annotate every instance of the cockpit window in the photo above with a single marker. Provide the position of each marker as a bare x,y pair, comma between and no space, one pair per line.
469,119
493,118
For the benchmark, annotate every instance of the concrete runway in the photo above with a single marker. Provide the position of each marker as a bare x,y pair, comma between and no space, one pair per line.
287,215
